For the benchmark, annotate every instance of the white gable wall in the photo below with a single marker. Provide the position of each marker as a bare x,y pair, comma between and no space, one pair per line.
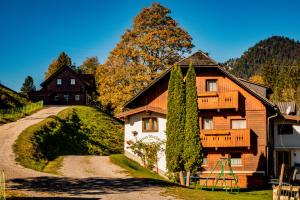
292,140
134,124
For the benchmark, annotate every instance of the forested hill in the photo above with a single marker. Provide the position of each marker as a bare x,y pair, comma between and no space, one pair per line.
276,50
274,62
10,98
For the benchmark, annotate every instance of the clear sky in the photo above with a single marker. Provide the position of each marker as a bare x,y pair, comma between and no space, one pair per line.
34,32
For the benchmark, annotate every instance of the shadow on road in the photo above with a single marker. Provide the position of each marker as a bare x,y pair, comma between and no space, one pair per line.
51,198
84,186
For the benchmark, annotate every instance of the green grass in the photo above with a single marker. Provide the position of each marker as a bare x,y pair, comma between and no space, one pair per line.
77,130
53,167
133,168
136,170
13,114
11,99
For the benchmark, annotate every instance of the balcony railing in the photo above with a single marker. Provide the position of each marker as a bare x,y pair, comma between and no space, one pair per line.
218,100
226,138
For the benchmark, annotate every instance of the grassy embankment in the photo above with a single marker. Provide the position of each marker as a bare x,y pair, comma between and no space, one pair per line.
78,130
13,106
136,170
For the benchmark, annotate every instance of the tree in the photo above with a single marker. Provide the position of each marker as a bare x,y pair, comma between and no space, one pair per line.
257,79
62,60
175,123
89,66
153,45
192,147
28,86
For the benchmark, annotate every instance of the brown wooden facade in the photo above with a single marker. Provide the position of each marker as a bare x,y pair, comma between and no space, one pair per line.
234,99
66,87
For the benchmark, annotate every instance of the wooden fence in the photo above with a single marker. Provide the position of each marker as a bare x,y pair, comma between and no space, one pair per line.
19,112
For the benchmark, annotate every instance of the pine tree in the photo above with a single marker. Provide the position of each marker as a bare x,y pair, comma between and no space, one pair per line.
192,146
175,127
28,86
62,60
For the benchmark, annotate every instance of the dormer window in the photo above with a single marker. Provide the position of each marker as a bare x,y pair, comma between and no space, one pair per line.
58,81
211,86
73,81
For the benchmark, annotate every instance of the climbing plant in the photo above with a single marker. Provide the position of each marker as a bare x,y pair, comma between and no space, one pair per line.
147,149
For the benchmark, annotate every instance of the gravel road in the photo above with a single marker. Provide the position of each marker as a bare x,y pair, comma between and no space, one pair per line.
82,177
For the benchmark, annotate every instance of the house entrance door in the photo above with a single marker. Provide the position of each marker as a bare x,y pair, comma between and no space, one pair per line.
66,99
283,157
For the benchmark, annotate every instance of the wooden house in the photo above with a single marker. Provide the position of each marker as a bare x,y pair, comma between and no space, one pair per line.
66,87
233,119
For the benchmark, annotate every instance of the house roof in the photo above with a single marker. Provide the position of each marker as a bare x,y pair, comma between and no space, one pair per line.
141,109
206,62
85,78
5,87
287,108
292,117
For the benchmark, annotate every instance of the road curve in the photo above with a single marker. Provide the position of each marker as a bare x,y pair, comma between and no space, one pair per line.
10,132
92,177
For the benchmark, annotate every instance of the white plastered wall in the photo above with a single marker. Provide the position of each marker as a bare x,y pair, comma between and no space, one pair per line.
134,124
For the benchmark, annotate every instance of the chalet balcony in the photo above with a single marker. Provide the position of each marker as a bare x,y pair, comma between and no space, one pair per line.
218,100
226,138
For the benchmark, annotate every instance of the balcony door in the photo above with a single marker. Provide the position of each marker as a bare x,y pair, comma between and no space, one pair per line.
283,157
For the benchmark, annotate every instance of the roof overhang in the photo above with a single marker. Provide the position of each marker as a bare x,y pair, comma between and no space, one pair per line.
141,109
292,117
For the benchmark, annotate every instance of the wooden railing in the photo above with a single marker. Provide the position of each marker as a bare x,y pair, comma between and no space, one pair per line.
226,138
218,100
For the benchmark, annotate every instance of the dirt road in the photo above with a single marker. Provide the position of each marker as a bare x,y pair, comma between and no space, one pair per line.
84,177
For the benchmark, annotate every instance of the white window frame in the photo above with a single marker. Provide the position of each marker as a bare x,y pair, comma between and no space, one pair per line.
73,81
204,122
236,161
59,81
208,88
77,97
238,126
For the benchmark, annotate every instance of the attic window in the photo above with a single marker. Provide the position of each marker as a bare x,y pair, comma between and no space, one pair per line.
58,81
72,81
211,86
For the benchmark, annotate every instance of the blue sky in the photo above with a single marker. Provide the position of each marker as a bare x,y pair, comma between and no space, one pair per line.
34,32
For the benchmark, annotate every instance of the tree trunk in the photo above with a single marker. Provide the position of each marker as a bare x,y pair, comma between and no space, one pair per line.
181,178
188,178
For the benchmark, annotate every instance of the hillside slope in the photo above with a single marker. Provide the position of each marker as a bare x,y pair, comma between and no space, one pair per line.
276,49
10,98
274,62
77,130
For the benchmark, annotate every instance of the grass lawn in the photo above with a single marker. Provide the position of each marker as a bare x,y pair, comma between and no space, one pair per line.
77,130
137,171
52,167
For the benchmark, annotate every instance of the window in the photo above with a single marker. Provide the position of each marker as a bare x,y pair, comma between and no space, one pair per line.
207,123
56,98
285,129
150,124
236,159
77,97
238,124
204,162
211,85
58,81
72,81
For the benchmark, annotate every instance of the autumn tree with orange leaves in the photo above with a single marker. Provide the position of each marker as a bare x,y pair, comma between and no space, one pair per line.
145,51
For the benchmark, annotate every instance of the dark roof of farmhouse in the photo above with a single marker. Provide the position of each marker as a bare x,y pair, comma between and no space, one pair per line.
86,78
200,59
